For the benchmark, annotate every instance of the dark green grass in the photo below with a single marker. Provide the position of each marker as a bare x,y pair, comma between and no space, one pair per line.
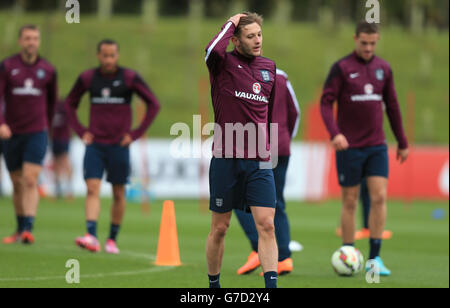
418,254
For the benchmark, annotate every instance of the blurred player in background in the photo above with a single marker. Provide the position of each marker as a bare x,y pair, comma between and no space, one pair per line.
62,166
242,89
286,114
2,113
29,86
108,136
360,83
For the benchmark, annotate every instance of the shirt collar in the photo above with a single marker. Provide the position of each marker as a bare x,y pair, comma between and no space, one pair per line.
359,59
242,57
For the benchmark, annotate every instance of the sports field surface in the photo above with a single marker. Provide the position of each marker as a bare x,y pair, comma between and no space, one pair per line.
418,254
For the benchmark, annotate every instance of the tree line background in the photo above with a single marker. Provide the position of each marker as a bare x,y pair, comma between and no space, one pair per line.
411,14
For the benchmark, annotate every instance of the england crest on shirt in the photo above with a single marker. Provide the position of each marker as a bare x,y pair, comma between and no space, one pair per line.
40,74
379,73
265,75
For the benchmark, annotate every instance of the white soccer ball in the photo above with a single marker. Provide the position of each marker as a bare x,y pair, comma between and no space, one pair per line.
347,261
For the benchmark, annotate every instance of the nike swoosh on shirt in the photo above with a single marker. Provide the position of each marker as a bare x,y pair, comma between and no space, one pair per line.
353,76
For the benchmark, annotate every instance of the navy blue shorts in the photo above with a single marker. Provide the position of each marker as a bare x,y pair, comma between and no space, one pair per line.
280,173
25,148
60,147
240,184
114,159
353,165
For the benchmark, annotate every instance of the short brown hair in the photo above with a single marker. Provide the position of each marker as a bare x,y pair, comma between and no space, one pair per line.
248,20
107,42
27,27
368,28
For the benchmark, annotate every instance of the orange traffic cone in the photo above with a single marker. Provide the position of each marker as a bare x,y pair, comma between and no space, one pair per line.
168,253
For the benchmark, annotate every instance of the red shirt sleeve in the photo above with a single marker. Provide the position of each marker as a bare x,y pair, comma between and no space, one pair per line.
393,111
143,91
72,102
2,89
330,94
217,48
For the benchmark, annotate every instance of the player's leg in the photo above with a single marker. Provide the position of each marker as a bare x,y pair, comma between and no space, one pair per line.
92,212
30,175
350,174
35,148
226,193
377,220
13,153
377,172
57,167
364,198
365,201
117,214
93,165
267,244
248,225
118,169
67,173
378,195
92,204
63,169
215,246
350,197
261,197
282,228
16,179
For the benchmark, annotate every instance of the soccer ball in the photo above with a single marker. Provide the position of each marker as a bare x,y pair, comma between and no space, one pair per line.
347,261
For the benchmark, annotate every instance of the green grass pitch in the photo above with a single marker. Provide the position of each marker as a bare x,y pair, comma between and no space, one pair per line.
418,255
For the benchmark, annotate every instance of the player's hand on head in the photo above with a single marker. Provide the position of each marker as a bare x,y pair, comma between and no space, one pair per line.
88,138
236,19
402,155
126,140
5,132
340,143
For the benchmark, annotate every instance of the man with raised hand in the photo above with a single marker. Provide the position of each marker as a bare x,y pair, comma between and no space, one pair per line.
243,90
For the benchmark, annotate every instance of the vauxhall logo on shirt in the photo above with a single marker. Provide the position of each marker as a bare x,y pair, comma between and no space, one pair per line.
368,96
255,97
27,89
106,98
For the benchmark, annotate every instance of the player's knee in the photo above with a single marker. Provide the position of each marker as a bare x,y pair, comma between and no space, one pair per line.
350,202
17,186
378,199
93,190
29,181
220,230
119,194
266,227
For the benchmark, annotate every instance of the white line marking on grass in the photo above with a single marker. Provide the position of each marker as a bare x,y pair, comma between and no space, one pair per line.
100,275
